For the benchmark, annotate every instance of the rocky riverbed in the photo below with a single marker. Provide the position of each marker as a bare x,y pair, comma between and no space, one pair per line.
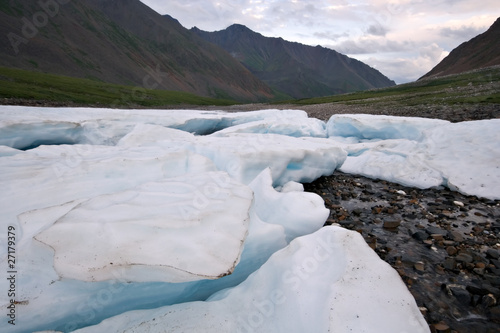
444,245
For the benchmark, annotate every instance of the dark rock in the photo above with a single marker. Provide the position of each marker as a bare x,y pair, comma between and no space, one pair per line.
495,262
477,291
357,211
463,257
476,300
392,224
493,279
492,253
495,314
461,294
436,230
451,250
456,236
420,235
489,300
449,264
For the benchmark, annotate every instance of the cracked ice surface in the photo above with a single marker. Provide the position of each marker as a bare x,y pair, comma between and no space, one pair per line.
123,211
132,232
119,213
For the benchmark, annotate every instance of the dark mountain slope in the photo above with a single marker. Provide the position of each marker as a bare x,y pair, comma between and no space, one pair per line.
299,70
480,52
122,42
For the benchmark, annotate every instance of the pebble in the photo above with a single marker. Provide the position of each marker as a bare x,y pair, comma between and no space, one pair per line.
489,300
463,257
420,235
492,253
392,224
451,250
449,264
456,236
441,328
432,230
419,266
460,292
437,237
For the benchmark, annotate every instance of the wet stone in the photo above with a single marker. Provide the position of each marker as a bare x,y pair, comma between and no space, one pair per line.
392,224
419,266
449,264
496,263
477,291
420,235
441,328
437,237
463,257
492,253
436,231
462,295
456,236
489,300
451,250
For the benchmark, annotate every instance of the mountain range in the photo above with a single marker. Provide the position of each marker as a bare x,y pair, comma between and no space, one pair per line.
479,52
122,42
298,70
128,43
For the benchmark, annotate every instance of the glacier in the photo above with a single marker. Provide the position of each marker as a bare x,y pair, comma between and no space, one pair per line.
137,220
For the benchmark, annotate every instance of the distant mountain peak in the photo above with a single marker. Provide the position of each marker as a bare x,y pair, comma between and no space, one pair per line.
239,27
298,70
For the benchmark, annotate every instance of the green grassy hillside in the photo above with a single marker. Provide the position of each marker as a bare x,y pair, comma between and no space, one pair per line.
479,86
21,85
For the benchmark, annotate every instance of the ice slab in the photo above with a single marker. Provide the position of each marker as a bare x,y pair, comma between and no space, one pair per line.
422,153
369,127
468,156
26,127
397,160
296,127
167,231
245,155
330,281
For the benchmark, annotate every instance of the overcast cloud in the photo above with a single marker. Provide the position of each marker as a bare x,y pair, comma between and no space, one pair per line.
403,39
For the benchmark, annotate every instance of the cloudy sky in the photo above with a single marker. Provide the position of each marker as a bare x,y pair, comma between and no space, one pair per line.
403,39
